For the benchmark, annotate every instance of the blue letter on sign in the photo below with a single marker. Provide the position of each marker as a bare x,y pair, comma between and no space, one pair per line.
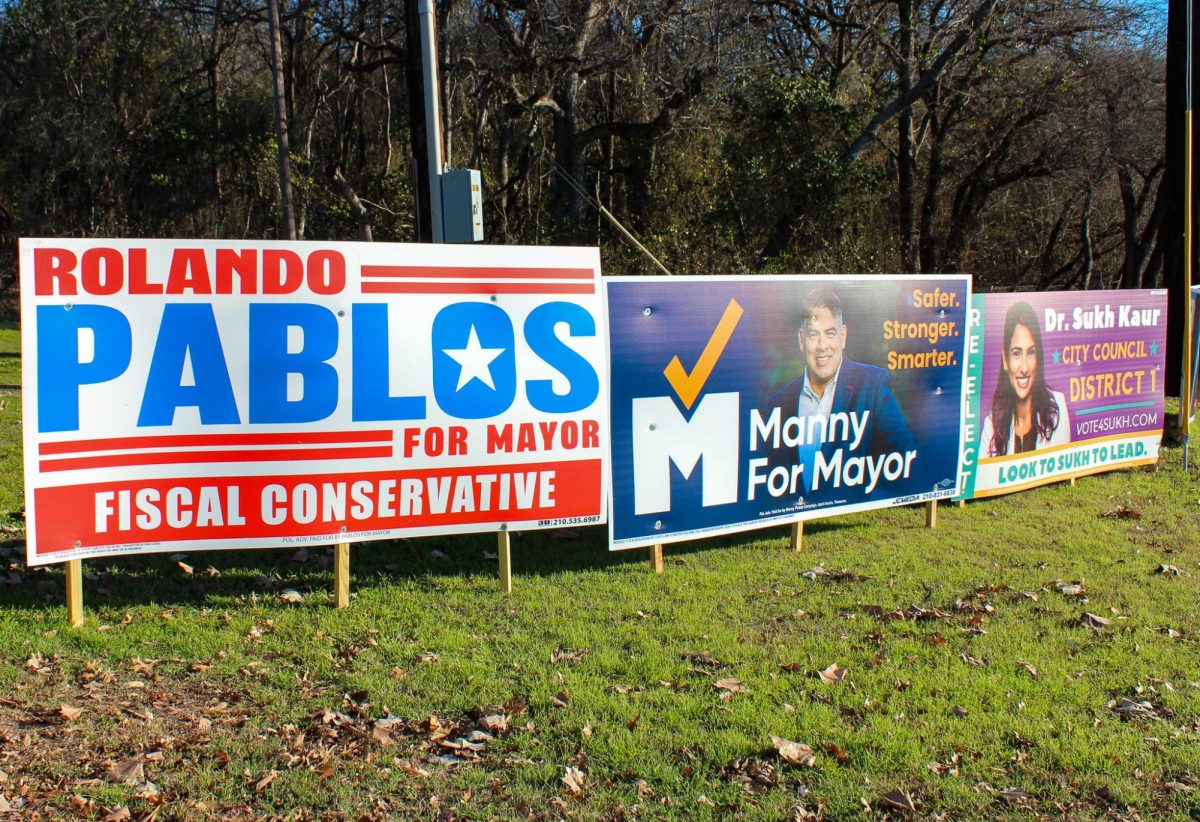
371,356
582,383
60,371
188,329
474,367
271,362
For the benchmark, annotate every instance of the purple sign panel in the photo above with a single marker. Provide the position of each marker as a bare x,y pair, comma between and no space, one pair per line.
1069,383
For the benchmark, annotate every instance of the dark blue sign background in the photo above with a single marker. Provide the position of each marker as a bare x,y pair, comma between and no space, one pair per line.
653,320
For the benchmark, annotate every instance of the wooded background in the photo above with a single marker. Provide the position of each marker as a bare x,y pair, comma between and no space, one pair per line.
1018,140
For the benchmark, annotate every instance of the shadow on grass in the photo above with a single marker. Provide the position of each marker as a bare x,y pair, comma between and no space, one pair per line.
224,578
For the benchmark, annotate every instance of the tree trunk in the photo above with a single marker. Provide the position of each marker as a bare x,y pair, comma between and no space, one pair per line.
281,125
904,152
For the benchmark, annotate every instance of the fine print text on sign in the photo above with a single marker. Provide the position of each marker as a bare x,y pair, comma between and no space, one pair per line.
739,402
216,394
1062,384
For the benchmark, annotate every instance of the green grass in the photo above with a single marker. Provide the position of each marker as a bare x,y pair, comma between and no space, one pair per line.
602,666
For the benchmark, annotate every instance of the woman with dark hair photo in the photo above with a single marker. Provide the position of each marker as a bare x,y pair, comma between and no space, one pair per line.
1026,414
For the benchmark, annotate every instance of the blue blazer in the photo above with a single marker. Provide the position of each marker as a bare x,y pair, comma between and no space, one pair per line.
860,388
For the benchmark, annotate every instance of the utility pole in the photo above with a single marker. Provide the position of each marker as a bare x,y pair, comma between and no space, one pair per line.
427,11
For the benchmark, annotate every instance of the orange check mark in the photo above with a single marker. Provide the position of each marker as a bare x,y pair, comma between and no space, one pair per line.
688,386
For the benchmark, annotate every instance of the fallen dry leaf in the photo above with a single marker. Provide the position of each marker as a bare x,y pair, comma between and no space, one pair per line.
959,711
494,723
1093,621
1132,709
574,780
794,753
120,814
1012,794
900,801
261,785
290,596
183,566
734,686
1168,570
562,654
703,659
411,769
129,771
1029,666
836,751
833,674
560,699
422,658
69,713
1070,589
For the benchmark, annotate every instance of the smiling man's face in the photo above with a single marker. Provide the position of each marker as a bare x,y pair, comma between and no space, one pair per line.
822,339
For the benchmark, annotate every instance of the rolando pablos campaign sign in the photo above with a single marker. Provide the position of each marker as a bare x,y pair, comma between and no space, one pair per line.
739,402
212,394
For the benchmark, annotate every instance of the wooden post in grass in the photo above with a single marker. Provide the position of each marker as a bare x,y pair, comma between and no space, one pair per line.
962,503
341,574
656,558
931,514
75,592
1072,482
798,536
504,553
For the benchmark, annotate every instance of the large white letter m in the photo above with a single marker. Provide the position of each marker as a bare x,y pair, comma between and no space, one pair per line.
662,436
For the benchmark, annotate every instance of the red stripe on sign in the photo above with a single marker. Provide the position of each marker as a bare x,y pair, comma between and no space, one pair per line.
195,509
186,457
477,288
186,440
466,273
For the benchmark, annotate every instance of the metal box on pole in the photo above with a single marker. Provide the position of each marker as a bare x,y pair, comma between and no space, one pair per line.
462,206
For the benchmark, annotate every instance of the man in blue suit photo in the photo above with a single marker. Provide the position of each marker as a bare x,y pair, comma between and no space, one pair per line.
832,384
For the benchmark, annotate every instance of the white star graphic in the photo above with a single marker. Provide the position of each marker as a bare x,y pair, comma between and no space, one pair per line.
475,360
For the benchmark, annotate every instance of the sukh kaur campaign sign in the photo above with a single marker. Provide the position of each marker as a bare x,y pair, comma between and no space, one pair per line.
1062,384
215,394
739,402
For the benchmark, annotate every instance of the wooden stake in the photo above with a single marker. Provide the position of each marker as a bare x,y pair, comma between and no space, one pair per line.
1072,482
341,574
931,513
962,503
797,536
504,552
656,558
75,592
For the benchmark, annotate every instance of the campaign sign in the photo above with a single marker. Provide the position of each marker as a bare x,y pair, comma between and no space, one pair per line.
1069,383
739,402
212,394
1195,397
